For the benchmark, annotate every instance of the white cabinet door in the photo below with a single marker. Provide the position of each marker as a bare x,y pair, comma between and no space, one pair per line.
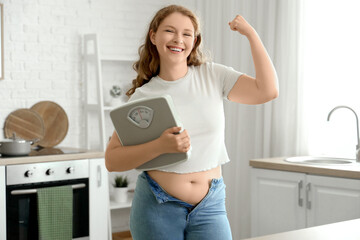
277,201
332,199
2,203
283,201
99,199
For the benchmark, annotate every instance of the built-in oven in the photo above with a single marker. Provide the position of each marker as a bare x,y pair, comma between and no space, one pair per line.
24,180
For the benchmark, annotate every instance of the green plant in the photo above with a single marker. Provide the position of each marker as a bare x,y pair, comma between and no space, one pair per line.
121,182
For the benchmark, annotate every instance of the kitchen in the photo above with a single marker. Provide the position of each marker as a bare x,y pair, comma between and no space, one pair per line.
43,62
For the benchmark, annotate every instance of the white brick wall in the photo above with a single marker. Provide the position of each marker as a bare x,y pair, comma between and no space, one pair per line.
43,55
43,50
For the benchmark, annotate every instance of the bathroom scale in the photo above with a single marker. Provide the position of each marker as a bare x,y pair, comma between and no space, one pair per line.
143,120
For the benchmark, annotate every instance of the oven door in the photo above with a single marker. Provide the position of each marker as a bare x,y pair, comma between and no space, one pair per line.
21,208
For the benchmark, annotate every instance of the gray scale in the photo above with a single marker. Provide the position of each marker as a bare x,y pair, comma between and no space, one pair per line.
144,120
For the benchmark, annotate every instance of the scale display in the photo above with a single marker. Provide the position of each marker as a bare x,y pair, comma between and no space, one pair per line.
141,116
144,120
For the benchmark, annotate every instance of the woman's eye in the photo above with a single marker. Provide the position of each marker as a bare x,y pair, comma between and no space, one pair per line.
187,35
167,30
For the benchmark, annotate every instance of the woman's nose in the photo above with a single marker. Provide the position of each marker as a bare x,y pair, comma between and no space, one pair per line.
178,39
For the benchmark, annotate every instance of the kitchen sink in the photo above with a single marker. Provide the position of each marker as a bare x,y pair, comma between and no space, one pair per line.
320,160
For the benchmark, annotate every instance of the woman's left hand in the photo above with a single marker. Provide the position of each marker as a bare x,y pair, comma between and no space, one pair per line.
240,25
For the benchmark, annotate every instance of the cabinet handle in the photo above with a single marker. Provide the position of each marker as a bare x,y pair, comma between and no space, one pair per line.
99,176
300,185
308,199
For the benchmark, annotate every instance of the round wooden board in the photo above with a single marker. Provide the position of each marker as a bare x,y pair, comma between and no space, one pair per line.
25,123
55,120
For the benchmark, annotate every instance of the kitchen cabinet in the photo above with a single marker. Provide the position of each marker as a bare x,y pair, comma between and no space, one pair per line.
276,201
284,201
2,203
99,200
331,199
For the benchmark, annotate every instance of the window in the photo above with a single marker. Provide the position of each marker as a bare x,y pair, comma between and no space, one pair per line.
331,61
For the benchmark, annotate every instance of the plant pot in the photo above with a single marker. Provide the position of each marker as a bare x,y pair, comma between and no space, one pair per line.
121,195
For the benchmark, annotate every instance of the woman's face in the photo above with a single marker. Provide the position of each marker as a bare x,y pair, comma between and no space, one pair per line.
174,38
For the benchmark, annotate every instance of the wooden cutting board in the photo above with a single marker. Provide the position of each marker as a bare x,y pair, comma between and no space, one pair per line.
55,121
25,123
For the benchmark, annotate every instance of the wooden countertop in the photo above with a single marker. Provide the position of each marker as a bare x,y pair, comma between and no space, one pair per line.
348,230
345,170
86,154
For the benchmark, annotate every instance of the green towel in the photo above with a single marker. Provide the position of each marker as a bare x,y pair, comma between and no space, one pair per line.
55,210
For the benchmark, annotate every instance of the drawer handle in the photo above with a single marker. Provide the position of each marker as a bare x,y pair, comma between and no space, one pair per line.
301,200
308,199
31,191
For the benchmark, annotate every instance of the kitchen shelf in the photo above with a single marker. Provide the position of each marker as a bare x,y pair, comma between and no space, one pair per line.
96,69
108,108
117,58
116,205
93,60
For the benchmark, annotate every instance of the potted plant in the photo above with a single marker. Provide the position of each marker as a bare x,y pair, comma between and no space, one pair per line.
121,184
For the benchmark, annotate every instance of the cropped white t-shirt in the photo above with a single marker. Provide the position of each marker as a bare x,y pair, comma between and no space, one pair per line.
198,99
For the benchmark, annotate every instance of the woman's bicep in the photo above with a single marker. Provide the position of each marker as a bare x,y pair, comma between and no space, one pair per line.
245,90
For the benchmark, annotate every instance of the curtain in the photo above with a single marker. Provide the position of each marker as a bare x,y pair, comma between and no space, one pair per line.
269,130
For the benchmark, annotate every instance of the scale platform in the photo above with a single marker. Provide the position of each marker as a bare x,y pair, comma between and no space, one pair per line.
143,120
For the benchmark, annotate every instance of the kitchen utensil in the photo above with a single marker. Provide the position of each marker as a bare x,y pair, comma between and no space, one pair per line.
55,121
26,123
16,146
144,120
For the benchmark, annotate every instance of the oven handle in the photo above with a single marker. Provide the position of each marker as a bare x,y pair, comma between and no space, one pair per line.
31,191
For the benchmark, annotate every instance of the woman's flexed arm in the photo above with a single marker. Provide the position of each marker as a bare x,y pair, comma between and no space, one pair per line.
122,158
264,87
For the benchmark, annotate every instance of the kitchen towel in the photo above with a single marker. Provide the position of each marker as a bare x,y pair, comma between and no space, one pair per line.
55,209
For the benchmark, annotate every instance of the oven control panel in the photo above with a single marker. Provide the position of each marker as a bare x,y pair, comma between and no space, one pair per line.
46,172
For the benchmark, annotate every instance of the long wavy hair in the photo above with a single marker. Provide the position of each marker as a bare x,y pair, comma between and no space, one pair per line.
148,64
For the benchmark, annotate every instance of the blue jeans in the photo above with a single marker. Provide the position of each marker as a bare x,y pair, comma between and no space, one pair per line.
157,215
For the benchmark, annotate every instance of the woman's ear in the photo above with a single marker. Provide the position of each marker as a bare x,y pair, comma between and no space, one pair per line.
195,39
152,36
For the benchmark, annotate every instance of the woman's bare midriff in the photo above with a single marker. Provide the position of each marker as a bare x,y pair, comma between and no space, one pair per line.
189,187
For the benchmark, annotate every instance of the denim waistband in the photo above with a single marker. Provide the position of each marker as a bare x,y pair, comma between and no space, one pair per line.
161,195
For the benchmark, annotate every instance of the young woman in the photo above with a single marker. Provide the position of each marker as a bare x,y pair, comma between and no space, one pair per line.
187,200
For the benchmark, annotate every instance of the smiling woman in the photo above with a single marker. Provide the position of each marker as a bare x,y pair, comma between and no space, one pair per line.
191,193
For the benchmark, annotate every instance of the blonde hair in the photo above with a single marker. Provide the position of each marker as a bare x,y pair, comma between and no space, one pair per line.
148,64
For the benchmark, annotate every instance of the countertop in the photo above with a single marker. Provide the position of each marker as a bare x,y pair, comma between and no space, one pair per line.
80,154
345,170
347,230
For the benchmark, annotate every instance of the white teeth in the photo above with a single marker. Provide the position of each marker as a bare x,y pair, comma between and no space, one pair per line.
176,49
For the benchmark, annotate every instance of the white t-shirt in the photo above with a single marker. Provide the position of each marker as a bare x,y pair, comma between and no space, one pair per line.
198,99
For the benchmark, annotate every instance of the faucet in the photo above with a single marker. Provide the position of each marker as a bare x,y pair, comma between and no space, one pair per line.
357,129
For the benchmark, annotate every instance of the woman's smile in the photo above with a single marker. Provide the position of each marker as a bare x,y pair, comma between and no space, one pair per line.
175,49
